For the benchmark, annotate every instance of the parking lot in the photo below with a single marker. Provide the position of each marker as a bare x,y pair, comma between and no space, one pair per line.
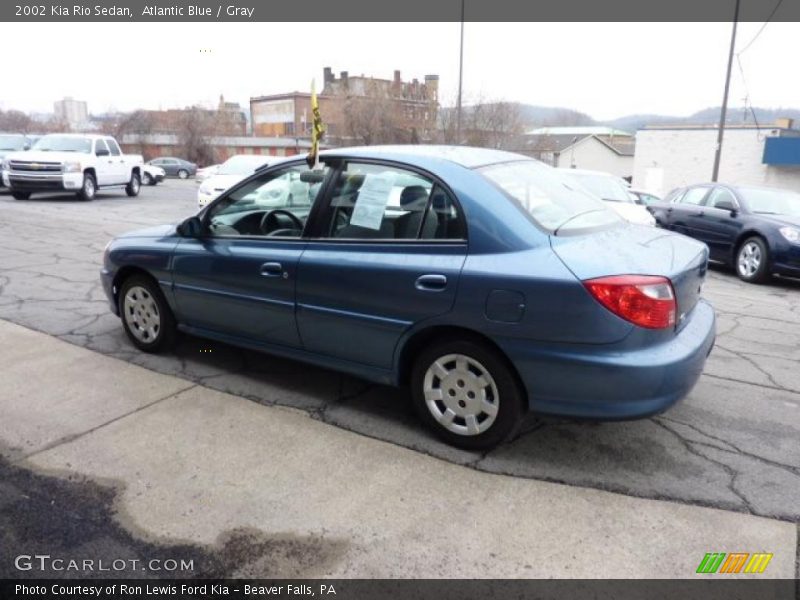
732,444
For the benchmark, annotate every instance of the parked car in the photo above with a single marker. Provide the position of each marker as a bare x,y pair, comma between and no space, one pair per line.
78,163
12,142
755,230
644,198
152,175
175,167
230,172
482,279
614,191
205,173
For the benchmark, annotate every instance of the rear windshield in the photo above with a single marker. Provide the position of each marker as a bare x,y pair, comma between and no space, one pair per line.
554,202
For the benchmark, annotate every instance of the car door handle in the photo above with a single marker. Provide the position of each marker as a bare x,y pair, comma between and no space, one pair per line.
273,269
431,283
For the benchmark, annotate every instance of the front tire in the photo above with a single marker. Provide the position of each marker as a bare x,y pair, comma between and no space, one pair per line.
89,188
134,185
21,195
752,260
183,174
146,316
467,393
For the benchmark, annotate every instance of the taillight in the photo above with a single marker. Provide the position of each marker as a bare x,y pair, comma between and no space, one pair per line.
644,300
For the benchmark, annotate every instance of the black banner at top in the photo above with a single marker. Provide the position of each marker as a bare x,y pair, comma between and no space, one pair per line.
141,11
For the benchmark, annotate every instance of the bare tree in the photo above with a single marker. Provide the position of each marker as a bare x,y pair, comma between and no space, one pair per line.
195,127
484,123
15,121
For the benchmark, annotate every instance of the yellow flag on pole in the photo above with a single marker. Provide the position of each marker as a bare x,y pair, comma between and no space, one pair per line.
317,129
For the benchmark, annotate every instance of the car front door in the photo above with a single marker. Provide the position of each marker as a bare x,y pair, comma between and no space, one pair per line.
238,278
387,256
104,165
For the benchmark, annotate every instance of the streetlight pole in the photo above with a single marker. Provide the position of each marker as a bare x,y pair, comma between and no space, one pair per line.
724,111
460,76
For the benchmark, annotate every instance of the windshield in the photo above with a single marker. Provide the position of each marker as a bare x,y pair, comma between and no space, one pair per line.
12,142
63,143
553,201
772,202
241,165
605,187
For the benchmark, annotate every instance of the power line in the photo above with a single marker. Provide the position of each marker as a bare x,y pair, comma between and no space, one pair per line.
758,33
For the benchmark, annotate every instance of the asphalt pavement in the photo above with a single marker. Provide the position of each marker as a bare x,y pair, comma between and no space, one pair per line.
732,444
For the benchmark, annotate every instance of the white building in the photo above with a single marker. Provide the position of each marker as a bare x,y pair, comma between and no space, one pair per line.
74,112
670,157
596,148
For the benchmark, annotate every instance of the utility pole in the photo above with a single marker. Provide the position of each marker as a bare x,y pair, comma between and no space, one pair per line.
460,76
724,111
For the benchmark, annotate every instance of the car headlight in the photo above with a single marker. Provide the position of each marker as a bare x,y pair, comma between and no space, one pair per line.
205,188
791,234
72,167
4,166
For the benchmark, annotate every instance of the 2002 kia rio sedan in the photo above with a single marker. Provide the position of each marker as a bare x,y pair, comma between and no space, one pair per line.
482,279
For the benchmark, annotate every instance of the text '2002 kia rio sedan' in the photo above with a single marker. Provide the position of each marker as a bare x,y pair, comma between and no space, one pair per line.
482,279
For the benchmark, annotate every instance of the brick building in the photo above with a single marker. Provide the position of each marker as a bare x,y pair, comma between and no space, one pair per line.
409,107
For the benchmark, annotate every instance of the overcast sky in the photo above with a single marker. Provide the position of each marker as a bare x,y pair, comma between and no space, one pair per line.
604,69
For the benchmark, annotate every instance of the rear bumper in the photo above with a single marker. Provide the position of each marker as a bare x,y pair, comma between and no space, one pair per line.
610,382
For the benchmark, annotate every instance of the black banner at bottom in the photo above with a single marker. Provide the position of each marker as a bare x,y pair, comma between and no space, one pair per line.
402,589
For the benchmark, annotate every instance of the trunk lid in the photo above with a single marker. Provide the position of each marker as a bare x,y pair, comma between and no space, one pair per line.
636,250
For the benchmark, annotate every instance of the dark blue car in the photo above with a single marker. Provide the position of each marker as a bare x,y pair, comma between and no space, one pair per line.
755,230
481,279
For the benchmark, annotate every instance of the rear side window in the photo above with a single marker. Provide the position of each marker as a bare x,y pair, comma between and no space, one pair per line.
383,202
694,196
112,145
554,202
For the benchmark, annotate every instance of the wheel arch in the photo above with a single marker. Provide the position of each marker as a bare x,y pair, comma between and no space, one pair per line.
126,272
426,336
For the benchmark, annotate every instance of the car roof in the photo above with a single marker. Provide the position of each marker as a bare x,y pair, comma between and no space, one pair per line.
422,155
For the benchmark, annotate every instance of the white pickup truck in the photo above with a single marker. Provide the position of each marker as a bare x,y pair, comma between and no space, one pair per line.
79,163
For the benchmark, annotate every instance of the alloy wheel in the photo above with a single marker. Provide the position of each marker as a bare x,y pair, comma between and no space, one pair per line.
749,259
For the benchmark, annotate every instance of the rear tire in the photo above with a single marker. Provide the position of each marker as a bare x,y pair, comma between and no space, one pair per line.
146,316
134,185
88,189
21,195
752,260
467,393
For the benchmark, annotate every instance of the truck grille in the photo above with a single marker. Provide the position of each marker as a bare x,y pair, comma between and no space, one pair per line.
35,167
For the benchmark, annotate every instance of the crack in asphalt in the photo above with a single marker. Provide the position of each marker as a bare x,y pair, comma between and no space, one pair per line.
727,468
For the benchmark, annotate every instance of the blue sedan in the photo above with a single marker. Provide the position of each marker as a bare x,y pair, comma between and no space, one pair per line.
754,229
483,280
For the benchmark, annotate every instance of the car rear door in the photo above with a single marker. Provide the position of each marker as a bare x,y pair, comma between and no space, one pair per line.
104,165
239,278
122,171
682,214
388,255
718,227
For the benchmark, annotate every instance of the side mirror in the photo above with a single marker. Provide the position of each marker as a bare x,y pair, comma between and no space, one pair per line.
26,146
726,205
191,227
102,152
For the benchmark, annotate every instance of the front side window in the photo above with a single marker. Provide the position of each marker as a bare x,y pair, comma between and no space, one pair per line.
720,195
100,146
553,201
274,204
384,202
